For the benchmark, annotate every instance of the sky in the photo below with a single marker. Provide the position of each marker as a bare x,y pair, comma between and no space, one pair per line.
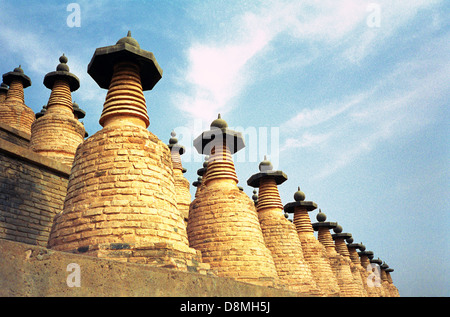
349,98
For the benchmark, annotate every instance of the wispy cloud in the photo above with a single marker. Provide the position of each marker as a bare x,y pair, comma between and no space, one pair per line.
218,70
38,53
402,102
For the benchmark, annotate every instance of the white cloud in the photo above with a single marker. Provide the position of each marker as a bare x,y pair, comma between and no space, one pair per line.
219,70
33,53
307,139
312,117
401,103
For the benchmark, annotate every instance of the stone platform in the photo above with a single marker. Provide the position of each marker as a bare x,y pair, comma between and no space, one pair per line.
33,271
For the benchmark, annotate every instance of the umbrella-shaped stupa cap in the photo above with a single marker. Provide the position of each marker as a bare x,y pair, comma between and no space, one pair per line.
339,234
219,133
321,217
4,87
62,73
266,171
17,74
126,49
80,113
42,112
299,198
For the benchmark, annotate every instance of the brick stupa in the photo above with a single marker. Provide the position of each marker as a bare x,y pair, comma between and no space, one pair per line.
198,184
120,201
313,251
371,275
352,247
385,281
279,233
182,191
223,223
56,133
13,110
3,92
339,264
340,238
79,113
377,274
393,289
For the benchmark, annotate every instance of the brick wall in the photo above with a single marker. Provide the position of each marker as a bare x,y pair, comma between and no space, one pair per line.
13,135
32,191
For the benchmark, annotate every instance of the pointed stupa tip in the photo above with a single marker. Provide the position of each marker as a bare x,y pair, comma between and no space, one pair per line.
219,123
63,67
62,72
17,74
173,139
128,40
18,69
265,165
321,217
299,195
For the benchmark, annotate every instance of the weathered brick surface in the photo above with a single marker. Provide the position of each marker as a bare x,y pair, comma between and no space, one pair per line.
31,194
14,136
385,286
315,254
120,190
57,133
281,238
182,186
369,291
13,110
393,290
365,262
340,265
3,92
182,193
37,271
224,226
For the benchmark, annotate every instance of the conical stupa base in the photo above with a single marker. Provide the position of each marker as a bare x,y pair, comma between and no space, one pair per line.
120,202
224,226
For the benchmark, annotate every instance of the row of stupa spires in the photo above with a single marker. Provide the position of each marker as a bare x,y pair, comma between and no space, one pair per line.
127,198
323,266
55,131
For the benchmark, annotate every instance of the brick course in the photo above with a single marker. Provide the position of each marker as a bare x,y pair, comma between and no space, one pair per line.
224,226
32,193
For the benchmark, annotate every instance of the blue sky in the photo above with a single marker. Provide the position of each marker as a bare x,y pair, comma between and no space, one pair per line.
349,98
